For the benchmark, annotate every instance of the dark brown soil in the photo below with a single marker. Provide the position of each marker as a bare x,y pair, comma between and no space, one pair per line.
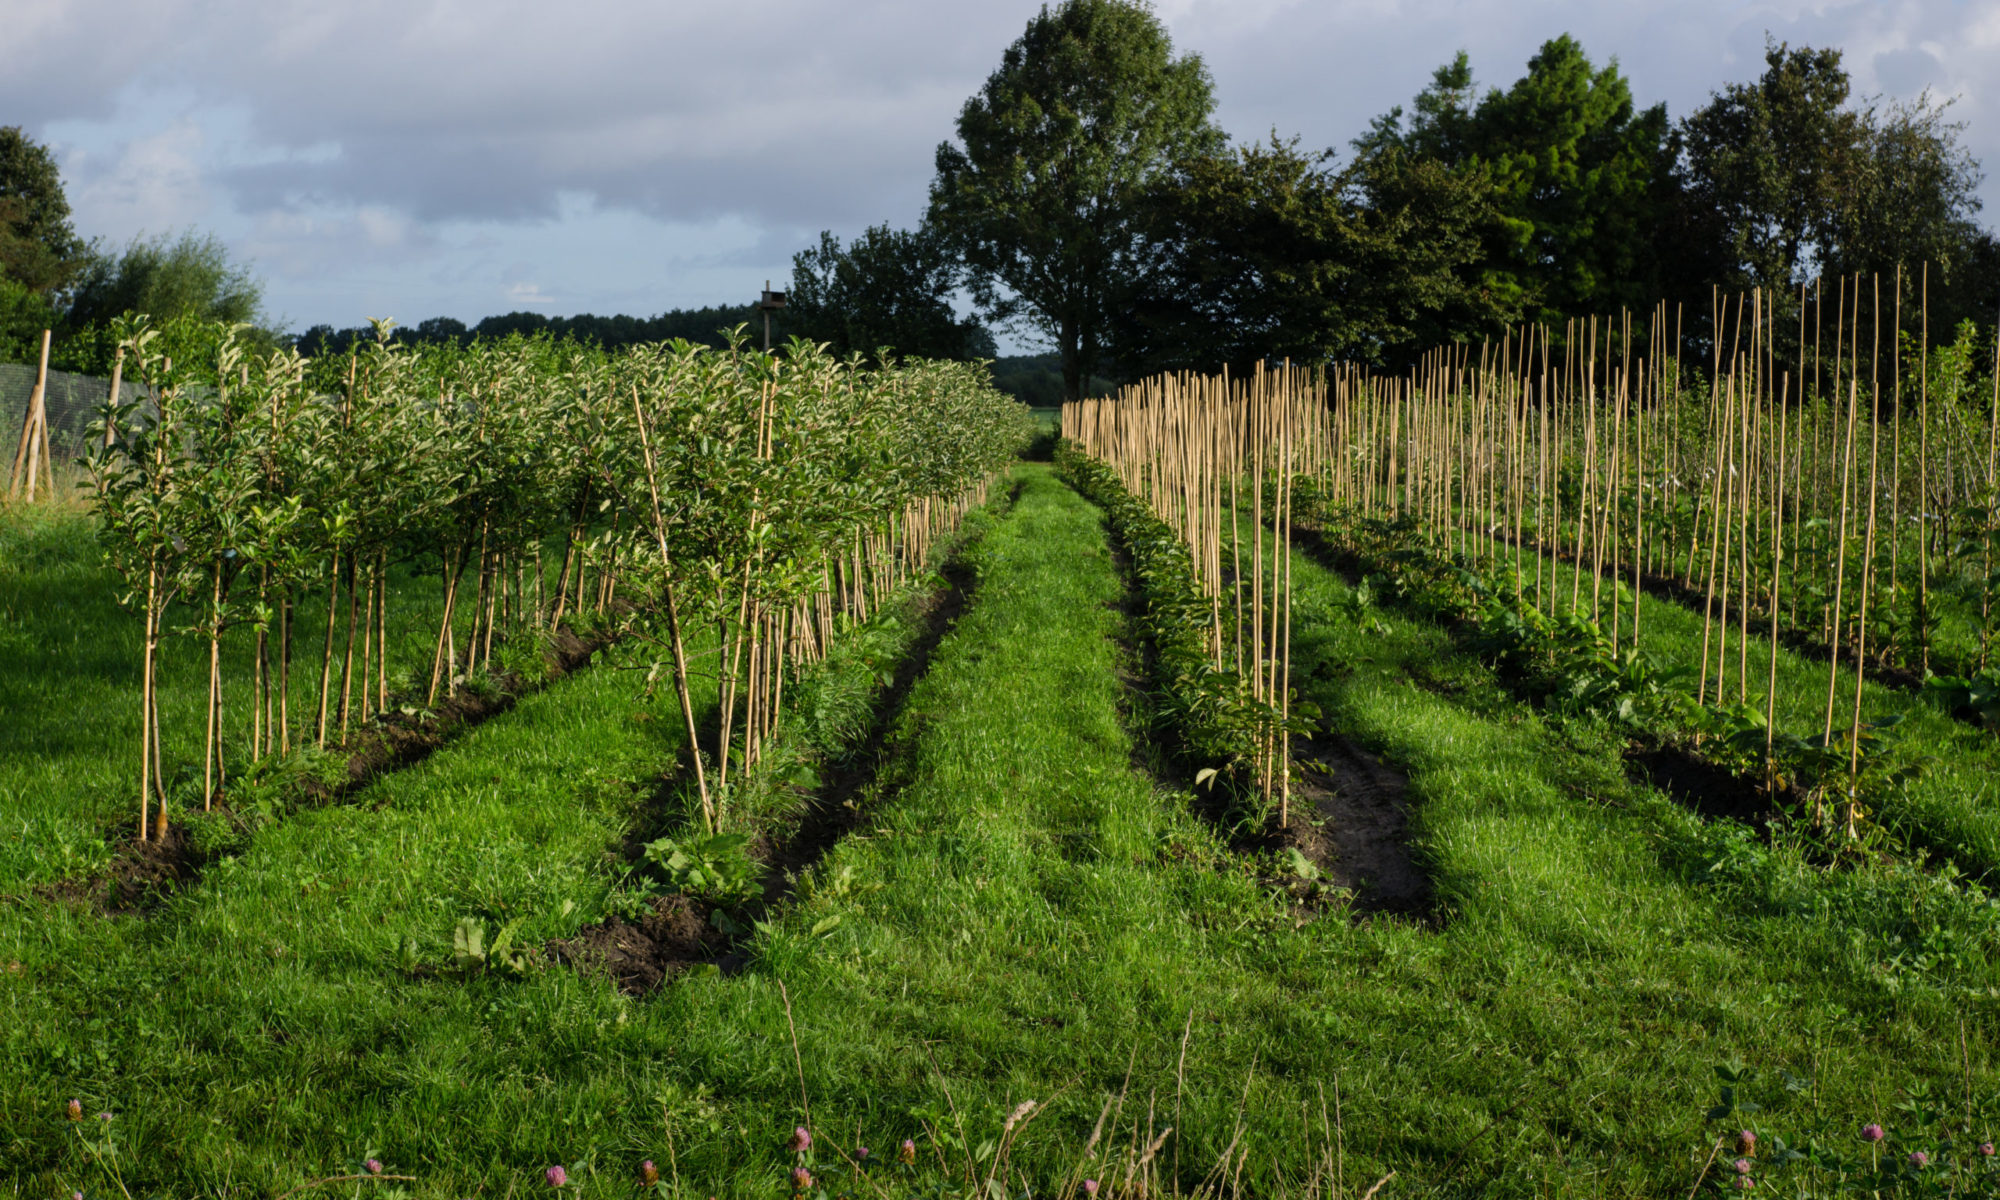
679,932
1351,819
837,807
1702,786
676,935
141,875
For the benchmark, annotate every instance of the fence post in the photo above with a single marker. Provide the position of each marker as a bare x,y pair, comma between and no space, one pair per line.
34,441
41,402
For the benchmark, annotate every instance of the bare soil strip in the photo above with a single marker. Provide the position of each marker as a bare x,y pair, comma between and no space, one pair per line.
681,933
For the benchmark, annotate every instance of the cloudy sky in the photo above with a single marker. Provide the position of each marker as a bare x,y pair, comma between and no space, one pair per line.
468,157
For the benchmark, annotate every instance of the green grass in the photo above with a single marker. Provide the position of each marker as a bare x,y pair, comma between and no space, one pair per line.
1637,945
1951,808
69,689
1024,915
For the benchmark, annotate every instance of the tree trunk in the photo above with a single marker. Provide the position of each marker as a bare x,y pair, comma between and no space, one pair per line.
347,655
326,650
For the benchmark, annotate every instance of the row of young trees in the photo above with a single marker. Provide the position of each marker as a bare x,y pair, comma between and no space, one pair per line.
1820,474
1826,472
1198,451
1816,472
762,496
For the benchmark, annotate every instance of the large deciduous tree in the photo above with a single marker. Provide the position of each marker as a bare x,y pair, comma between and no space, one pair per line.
1042,197
1269,253
39,248
1764,167
889,288
1783,178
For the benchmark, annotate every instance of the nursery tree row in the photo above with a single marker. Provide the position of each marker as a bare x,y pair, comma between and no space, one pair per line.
677,487
1827,473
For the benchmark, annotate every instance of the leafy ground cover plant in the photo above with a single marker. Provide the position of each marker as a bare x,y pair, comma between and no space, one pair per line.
1832,781
1213,716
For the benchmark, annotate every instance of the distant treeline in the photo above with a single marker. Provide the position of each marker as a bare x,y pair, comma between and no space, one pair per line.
704,326
1034,379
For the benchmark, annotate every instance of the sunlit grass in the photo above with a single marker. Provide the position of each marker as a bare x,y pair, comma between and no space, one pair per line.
69,689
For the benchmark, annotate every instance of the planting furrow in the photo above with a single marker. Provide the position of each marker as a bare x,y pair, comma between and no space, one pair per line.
1348,828
822,777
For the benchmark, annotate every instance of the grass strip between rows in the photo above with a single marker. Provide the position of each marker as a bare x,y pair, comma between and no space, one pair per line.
1948,806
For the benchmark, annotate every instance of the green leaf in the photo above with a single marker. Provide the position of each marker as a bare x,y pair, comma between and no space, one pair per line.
468,943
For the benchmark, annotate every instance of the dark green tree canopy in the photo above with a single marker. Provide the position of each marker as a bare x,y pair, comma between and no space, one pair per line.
24,313
1576,174
890,288
1270,254
1784,178
702,326
1042,198
39,248
1764,166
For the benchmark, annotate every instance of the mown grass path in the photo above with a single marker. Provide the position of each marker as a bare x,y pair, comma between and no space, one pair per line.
1021,915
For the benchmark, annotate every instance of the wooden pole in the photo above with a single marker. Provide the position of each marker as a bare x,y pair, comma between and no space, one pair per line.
34,435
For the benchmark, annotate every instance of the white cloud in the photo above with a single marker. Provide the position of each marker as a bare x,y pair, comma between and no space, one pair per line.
640,154
526,293
157,182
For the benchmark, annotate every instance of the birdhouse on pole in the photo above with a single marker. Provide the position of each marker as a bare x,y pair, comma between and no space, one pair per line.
772,300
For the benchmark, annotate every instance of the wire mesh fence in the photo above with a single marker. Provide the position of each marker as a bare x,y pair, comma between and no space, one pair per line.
72,404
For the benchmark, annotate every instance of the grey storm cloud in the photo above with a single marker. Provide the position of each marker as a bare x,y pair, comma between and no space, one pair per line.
793,112
338,138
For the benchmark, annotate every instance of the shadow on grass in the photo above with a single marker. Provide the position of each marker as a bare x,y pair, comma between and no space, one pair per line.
679,933
143,875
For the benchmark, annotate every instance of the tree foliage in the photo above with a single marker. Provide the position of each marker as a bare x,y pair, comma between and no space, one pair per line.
1269,253
890,288
1765,167
24,313
1784,178
769,493
165,277
1574,171
1042,196
39,248
706,326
